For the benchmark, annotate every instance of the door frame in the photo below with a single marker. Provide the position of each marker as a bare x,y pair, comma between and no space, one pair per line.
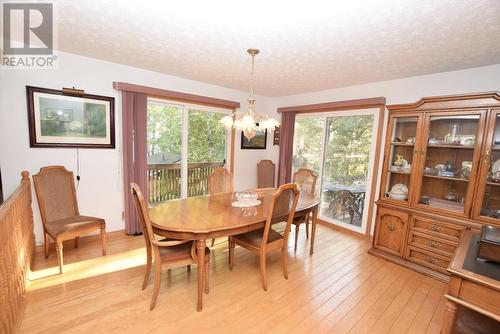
374,163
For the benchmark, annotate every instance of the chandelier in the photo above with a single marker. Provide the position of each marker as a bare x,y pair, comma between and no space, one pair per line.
250,122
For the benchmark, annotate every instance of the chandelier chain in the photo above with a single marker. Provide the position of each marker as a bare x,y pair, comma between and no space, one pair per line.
252,77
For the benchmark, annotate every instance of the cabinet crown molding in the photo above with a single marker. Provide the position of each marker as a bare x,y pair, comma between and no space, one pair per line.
473,100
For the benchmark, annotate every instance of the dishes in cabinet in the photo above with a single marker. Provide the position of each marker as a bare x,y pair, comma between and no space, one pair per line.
398,191
466,169
400,161
400,164
495,171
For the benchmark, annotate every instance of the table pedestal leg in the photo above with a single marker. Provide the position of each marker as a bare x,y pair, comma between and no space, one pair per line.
200,246
449,317
313,228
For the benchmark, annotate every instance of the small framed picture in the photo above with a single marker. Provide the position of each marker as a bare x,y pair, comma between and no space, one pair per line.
256,143
57,119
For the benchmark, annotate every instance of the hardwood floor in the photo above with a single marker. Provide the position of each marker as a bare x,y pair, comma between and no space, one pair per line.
340,289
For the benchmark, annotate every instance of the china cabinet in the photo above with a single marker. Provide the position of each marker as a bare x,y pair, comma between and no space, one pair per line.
440,177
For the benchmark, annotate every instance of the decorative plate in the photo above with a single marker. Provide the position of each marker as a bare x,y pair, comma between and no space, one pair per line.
399,188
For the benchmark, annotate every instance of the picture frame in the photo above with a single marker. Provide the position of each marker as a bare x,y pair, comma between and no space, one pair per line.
60,119
256,143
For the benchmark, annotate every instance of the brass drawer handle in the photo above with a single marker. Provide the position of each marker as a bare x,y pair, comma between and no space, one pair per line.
433,244
436,228
391,227
431,260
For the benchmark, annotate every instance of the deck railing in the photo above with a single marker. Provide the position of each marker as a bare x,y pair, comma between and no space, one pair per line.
165,180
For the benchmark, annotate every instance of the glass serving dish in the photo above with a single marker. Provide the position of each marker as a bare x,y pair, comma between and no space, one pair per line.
246,196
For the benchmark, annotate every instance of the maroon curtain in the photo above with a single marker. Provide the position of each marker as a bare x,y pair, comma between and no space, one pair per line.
134,118
286,147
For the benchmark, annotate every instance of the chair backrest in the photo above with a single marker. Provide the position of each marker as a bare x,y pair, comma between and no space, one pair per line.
56,194
282,208
305,180
220,181
266,174
143,214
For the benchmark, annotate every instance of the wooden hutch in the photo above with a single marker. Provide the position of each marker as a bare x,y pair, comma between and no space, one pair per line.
442,163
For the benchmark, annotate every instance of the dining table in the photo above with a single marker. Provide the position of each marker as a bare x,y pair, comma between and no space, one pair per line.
212,216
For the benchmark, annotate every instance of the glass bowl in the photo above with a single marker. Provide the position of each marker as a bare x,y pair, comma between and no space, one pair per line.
246,196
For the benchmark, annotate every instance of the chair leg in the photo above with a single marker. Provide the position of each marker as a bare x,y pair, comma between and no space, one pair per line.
47,244
263,271
188,267
307,227
297,227
284,262
207,267
213,241
156,288
148,268
77,240
103,241
59,251
231,253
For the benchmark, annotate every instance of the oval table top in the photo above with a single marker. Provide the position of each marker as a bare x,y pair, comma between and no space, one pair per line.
215,213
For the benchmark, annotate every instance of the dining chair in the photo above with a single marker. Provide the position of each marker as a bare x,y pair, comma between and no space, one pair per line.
220,181
164,253
61,219
265,240
306,182
266,174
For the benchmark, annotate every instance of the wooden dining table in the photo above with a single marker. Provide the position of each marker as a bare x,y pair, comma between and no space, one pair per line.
206,217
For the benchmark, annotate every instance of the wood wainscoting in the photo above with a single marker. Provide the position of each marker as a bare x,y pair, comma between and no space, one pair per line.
17,250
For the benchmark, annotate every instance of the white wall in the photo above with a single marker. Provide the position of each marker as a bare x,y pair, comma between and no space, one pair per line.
100,190
479,79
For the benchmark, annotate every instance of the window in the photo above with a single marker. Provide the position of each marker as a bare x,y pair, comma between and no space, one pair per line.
185,144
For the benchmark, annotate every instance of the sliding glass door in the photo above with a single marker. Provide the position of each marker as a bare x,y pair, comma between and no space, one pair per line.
339,147
185,144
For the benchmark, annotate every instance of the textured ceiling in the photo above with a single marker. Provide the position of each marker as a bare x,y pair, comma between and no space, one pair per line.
305,46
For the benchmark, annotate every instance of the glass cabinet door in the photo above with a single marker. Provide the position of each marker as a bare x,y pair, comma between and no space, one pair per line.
488,197
400,162
449,164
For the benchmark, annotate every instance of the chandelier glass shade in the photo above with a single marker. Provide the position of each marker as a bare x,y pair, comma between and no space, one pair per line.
250,122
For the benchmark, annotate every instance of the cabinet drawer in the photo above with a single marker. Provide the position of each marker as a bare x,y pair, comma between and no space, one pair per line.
431,243
443,230
428,259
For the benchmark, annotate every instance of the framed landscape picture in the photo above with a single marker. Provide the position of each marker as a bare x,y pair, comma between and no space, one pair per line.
57,119
256,143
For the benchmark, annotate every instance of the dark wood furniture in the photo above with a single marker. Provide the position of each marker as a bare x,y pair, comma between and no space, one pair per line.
444,150
305,179
206,217
266,239
56,195
266,175
489,244
473,290
17,254
168,253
